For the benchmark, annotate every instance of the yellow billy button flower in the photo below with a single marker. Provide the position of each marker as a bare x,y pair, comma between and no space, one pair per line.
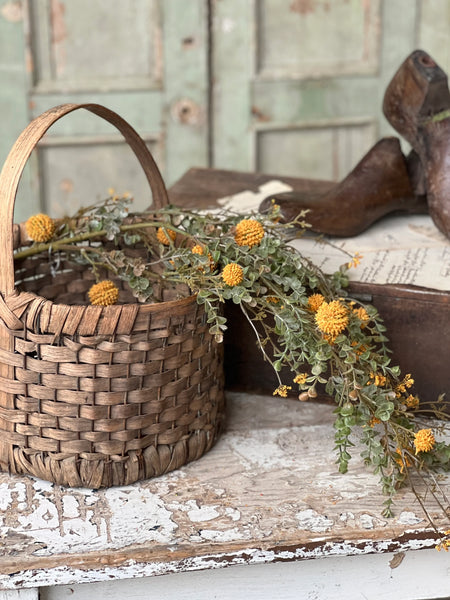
315,301
332,319
424,440
249,232
165,235
233,274
103,293
40,228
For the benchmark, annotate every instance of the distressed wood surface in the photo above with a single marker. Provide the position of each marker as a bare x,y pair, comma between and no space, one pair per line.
368,577
268,491
200,187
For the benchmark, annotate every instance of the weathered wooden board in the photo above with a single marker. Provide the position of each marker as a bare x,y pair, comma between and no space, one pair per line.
200,188
414,575
269,491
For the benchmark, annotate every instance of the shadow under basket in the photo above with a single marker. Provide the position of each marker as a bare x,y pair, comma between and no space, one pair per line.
101,396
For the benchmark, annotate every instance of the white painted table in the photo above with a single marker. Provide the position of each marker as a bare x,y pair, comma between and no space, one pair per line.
264,500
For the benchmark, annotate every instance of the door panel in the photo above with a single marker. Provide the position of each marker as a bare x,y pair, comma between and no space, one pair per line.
304,38
309,77
13,93
85,45
68,169
145,59
321,152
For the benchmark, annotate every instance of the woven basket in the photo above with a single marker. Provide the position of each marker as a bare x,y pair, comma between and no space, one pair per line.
97,396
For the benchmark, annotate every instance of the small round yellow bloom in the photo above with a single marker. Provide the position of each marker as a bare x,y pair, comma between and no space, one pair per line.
300,378
249,232
315,301
272,299
165,236
103,293
424,440
232,274
332,318
40,228
373,421
282,390
197,249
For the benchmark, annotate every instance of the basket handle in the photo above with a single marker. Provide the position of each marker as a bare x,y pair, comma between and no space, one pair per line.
18,156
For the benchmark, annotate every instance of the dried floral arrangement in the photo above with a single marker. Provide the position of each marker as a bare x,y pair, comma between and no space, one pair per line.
301,318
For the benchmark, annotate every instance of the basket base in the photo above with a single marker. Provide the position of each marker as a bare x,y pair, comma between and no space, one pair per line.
78,471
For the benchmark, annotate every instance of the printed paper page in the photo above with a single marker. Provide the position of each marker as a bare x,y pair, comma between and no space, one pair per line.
401,249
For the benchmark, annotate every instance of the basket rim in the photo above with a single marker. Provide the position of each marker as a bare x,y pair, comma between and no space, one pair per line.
21,310
145,306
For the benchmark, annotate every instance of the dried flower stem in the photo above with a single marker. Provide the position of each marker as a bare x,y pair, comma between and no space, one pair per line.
261,346
88,235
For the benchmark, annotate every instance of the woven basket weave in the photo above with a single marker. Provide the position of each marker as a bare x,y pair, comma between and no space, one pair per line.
97,396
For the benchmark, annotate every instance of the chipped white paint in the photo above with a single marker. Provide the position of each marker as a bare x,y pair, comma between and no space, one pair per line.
366,521
312,521
347,516
420,575
267,492
198,514
70,507
229,535
137,516
251,556
9,495
409,518
233,513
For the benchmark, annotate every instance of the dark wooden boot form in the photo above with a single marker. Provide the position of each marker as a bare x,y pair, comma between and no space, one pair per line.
417,104
377,186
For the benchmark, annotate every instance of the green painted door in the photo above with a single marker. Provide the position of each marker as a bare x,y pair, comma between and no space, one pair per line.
145,59
290,87
298,84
